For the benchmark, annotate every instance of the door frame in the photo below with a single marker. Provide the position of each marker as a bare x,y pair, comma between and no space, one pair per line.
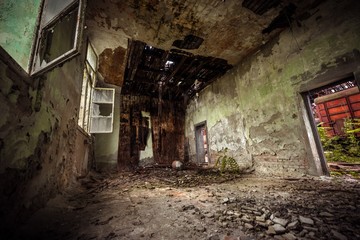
197,126
313,135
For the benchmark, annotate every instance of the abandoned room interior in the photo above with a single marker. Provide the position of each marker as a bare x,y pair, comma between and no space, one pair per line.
180,119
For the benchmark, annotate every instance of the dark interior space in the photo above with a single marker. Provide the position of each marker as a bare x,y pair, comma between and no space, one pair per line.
192,119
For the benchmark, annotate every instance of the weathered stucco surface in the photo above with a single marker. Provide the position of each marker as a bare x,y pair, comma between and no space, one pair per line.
254,110
17,28
42,149
160,23
112,64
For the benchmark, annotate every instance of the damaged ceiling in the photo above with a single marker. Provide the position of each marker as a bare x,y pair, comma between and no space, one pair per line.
168,74
178,47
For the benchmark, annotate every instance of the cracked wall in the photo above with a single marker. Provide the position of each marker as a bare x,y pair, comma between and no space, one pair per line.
255,109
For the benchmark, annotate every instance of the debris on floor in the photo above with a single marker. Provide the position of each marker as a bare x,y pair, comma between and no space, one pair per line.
191,204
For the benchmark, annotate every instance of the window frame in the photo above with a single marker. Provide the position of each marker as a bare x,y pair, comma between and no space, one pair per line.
87,99
89,78
92,116
37,68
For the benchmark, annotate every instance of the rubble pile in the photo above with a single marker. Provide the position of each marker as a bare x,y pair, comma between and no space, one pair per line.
168,204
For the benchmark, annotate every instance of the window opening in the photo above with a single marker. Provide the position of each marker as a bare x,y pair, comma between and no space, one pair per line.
96,104
335,110
59,34
53,8
102,110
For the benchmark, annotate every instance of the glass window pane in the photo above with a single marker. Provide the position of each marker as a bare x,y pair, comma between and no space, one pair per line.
103,96
58,38
53,8
101,125
91,57
102,110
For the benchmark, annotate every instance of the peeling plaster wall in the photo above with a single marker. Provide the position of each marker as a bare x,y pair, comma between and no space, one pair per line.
222,24
255,109
112,61
41,147
112,64
17,28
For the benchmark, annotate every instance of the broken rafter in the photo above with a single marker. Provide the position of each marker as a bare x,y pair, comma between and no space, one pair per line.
137,56
149,69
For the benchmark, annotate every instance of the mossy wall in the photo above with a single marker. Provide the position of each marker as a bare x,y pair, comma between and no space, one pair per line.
255,109
18,28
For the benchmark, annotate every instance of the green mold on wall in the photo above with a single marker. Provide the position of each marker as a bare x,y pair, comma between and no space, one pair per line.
17,27
264,109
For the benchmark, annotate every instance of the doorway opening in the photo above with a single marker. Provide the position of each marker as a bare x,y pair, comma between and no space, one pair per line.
335,111
202,146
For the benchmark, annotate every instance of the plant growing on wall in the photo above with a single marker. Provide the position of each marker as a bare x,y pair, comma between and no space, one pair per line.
226,163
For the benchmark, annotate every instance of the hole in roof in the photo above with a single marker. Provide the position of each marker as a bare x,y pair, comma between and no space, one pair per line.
260,7
283,20
189,42
174,71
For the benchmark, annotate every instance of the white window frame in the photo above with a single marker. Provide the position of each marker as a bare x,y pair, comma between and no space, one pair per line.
88,83
38,68
94,117
87,116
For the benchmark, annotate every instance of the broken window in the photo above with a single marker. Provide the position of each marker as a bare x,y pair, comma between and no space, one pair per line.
59,33
102,110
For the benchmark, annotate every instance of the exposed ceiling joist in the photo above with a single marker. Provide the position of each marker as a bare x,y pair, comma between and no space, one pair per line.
176,72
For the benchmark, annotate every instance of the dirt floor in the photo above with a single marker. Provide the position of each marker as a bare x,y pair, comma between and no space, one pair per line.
192,204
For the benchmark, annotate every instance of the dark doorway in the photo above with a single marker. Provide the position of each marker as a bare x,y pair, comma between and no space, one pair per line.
335,110
202,146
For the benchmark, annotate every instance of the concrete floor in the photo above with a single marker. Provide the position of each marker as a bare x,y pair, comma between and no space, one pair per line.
164,204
